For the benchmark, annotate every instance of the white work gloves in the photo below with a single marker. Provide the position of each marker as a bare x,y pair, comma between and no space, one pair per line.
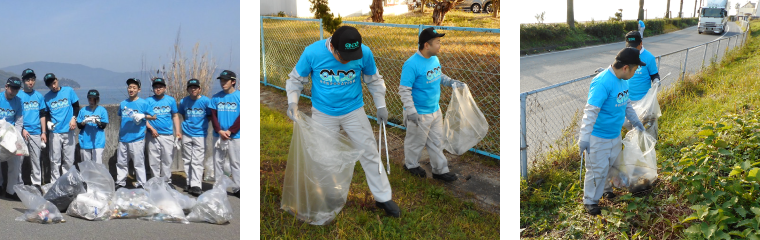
136,117
292,110
50,126
456,83
639,126
91,119
222,144
382,116
583,146
177,143
413,117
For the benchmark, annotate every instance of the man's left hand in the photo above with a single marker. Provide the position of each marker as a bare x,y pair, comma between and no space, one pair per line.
457,83
382,115
72,124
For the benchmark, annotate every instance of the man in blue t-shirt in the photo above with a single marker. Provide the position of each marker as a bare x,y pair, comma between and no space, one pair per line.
225,117
62,106
196,113
12,112
607,106
335,65
34,132
420,91
134,112
163,133
92,121
641,28
646,77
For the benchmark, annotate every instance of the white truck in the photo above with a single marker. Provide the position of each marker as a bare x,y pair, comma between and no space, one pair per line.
713,16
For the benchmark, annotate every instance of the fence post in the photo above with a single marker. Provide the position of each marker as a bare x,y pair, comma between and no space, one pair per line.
321,33
685,61
523,145
716,51
263,53
705,55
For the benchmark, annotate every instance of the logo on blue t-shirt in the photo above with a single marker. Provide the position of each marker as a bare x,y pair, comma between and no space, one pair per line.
125,112
329,77
622,98
4,113
226,106
195,112
433,74
61,103
31,105
162,110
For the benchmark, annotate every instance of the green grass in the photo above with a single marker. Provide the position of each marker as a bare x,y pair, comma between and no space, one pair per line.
428,209
707,158
470,57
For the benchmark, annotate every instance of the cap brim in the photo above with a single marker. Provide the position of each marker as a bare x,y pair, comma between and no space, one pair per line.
226,77
30,75
440,35
642,63
350,56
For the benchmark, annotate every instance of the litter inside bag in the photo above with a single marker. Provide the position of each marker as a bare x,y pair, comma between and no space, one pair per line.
11,142
92,205
186,202
97,177
38,210
635,169
132,203
65,189
464,125
648,109
213,206
319,171
169,209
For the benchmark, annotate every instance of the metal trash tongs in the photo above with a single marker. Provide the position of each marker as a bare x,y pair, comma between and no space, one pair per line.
381,129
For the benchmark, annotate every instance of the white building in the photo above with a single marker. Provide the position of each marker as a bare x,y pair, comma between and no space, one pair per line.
748,11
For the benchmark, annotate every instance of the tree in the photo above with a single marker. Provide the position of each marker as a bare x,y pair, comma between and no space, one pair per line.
618,16
377,11
570,14
441,8
540,17
322,11
680,11
695,9
641,10
667,10
496,8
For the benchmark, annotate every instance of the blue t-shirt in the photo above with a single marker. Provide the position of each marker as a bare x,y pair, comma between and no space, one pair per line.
611,95
129,131
59,105
91,136
196,114
641,24
32,102
424,77
164,109
640,83
10,109
227,108
336,88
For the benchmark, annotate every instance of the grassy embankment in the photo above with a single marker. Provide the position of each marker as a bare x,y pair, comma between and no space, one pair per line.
707,159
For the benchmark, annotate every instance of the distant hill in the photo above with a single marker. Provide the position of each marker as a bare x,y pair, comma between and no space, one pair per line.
87,77
40,85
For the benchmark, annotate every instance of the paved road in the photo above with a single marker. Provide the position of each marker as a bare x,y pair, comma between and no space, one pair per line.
550,112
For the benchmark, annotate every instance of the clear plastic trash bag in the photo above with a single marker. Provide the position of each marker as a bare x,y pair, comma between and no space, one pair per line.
648,109
169,209
65,189
92,205
11,142
97,177
319,171
38,210
132,203
635,169
464,125
213,206
185,202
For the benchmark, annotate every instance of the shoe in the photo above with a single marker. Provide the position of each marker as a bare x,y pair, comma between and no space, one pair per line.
592,209
186,188
609,195
13,197
237,194
117,186
390,208
418,171
195,191
447,177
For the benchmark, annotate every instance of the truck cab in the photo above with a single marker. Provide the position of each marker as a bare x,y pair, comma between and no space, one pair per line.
712,20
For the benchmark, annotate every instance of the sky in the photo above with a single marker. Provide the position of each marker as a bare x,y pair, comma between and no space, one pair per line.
586,10
116,35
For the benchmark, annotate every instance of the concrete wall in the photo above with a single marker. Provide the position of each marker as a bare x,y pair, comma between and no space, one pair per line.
300,8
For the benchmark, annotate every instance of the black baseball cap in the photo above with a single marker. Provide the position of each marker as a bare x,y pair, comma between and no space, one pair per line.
348,42
93,94
159,81
429,33
49,78
14,82
28,73
135,81
227,74
193,82
632,39
629,56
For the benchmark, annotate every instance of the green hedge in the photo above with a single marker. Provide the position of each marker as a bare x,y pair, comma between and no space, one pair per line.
607,31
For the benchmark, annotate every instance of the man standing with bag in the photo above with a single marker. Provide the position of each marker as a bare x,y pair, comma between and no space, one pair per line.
225,117
195,111
336,64
34,132
134,113
607,107
163,132
420,91
62,104
645,78
12,112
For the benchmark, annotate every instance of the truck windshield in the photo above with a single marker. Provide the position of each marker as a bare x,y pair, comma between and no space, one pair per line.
711,12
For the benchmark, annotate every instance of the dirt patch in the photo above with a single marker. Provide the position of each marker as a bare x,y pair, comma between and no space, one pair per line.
478,181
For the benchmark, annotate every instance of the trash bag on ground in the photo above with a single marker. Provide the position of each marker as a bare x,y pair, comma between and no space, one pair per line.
648,109
319,171
38,210
65,189
635,169
11,142
132,203
185,201
464,125
214,206
92,205
169,209
46,187
97,177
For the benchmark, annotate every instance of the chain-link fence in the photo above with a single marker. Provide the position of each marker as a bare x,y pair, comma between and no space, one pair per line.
550,116
470,55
